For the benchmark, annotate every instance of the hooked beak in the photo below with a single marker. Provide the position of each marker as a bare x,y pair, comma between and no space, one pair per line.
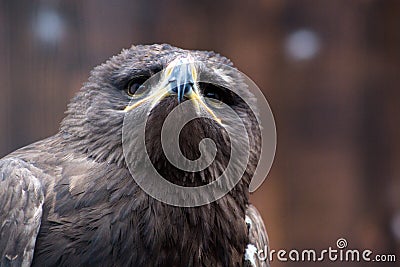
182,77
179,78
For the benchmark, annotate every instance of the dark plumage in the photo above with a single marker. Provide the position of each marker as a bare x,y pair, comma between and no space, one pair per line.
70,200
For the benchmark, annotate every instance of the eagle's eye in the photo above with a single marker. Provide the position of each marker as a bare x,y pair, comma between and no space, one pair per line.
214,94
135,87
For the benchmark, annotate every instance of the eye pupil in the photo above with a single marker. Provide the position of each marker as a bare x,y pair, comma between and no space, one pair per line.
213,95
135,88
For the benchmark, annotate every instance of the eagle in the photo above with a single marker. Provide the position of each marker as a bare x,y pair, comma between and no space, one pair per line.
72,200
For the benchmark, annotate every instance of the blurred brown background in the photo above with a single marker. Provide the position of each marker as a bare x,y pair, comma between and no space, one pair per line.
330,70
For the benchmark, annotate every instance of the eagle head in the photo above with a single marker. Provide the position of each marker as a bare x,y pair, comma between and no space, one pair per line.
135,95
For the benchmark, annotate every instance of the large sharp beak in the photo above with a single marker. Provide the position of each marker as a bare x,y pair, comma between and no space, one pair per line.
182,77
179,78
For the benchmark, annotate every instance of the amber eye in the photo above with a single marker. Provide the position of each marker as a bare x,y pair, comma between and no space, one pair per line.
136,87
215,95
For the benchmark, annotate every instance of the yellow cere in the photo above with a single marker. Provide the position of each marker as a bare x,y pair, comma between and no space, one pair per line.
158,95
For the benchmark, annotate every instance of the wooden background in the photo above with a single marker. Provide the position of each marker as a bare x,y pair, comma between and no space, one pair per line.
337,166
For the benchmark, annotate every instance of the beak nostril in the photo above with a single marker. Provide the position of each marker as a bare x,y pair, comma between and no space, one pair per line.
182,90
187,87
